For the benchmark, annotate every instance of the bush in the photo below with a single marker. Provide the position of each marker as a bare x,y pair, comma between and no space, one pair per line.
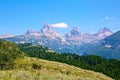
8,53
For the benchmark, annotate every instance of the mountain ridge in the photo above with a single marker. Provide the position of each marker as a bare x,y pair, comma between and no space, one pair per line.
74,41
108,47
74,34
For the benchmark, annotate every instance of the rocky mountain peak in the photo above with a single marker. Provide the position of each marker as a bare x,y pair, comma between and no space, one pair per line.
47,28
32,32
104,30
49,32
102,33
75,32
29,32
76,29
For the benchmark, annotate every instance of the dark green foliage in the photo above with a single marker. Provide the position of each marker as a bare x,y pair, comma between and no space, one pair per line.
8,53
110,67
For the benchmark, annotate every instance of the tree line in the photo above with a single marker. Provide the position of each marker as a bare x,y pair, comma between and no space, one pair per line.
110,67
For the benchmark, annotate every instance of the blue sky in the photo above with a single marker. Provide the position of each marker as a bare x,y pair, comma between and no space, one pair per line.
17,16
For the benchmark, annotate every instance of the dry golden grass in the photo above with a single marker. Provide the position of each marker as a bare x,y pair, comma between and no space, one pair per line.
38,69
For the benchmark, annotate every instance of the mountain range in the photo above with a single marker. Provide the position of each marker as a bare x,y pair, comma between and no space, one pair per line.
75,34
74,41
108,47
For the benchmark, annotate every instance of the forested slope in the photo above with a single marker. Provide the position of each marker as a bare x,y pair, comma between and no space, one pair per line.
110,67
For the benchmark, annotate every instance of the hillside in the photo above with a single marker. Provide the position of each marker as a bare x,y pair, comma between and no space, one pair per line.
15,66
8,53
38,69
109,67
108,47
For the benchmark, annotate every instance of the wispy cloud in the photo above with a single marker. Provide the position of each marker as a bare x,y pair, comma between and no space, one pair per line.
107,18
59,25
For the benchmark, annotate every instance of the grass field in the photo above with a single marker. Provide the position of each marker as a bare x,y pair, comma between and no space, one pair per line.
38,69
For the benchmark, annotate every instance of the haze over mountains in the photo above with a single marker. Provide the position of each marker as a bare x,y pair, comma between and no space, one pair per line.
74,41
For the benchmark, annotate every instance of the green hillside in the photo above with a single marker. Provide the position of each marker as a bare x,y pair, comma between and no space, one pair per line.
8,53
109,67
15,66
38,69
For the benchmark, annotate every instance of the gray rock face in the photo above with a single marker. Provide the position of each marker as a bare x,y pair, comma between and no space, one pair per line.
77,35
102,33
47,28
31,32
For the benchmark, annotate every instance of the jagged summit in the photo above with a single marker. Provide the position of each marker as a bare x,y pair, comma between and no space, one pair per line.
46,31
32,33
76,29
77,35
47,28
29,32
75,32
74,35
103,32
105,29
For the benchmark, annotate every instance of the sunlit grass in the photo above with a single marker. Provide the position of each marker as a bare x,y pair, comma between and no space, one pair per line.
38,69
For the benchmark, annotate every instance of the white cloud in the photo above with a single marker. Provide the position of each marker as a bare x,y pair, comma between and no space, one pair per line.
107,18
59,25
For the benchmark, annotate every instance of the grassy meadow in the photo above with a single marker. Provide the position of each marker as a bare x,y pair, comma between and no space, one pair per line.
38,69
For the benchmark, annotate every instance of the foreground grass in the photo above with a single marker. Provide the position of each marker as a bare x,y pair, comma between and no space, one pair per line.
38,69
